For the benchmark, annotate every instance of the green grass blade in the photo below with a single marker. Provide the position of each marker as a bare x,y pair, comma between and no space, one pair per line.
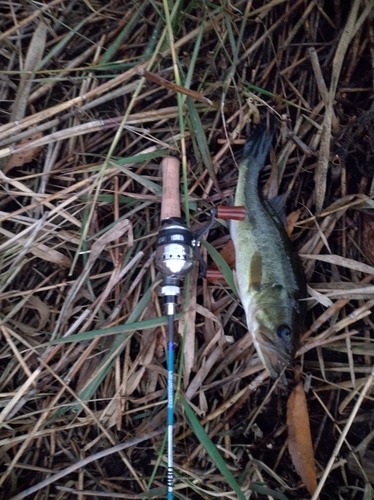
127,30
199,136
220,463
222,266
114,330
141,158
192,64
152,186
56,50
214,454
117,347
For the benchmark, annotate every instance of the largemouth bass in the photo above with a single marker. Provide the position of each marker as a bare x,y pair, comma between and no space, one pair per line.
269,274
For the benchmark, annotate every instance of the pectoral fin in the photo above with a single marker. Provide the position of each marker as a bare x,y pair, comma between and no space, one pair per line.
255,272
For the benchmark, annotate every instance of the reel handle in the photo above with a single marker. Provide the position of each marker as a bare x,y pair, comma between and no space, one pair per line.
170,203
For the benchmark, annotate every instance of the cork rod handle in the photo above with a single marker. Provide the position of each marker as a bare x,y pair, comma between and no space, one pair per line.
170,203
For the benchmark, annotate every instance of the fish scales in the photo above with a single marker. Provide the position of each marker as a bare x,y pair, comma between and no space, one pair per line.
269,274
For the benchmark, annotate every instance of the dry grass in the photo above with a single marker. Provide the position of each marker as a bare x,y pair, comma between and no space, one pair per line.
82,135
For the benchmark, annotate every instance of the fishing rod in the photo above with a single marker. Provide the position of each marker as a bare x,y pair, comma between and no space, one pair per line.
176,248
174,258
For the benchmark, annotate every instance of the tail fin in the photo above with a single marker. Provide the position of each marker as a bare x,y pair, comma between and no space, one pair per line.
258,145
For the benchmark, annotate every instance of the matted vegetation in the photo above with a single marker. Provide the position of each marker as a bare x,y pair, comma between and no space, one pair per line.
83,131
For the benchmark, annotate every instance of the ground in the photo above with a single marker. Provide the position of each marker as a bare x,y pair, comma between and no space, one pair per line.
83,130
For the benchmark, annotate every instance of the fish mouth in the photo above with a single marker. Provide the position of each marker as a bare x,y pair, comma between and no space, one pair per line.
273,363
273,355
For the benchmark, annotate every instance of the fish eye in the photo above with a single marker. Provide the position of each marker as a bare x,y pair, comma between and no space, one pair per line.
283,332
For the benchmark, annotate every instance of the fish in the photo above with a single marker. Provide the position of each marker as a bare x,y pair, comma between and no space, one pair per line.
270,277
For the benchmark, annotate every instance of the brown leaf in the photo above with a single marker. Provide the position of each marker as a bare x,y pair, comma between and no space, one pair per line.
42,309
50,255
299,438
19,159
